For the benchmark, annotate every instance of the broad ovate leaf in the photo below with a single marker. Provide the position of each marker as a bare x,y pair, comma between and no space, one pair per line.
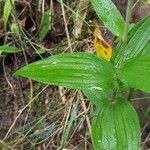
116,127
75,70
135,73
110,16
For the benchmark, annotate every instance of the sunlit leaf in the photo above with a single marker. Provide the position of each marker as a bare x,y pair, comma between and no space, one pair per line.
76,70
110,15
138,39
97,96
136,73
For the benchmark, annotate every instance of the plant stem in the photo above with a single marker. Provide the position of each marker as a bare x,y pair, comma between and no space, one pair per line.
124,40
125,36
128,17
131,92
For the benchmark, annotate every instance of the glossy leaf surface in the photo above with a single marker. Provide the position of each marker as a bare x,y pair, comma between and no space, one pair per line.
136,73
76,70
138,41
116,127
138,38
98,97
110,15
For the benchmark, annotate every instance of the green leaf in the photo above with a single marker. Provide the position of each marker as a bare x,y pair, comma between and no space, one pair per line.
8,49
41,50
76,70
7,11
146,50
69,124
136,73
110,15
145,2
14,28
116,127
138,39
45,24
98,97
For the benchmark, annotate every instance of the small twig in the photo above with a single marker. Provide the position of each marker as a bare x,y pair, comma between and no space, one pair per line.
66,27
85,109
68,47
147,97
78,116
21,111
19,82
66,6
62,95
147,139
59,130
5,74
23,48
135,4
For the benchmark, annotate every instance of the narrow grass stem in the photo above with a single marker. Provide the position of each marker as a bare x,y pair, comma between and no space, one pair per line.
14,15
125,36
66,27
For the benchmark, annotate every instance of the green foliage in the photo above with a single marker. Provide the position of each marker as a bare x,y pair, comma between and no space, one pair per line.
8,49
45,24
98,97
115,123
41,50
144,1
109,14
138,38
69,121
135,73
14,28
116,127
7,10
146,50
137,43
76,70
